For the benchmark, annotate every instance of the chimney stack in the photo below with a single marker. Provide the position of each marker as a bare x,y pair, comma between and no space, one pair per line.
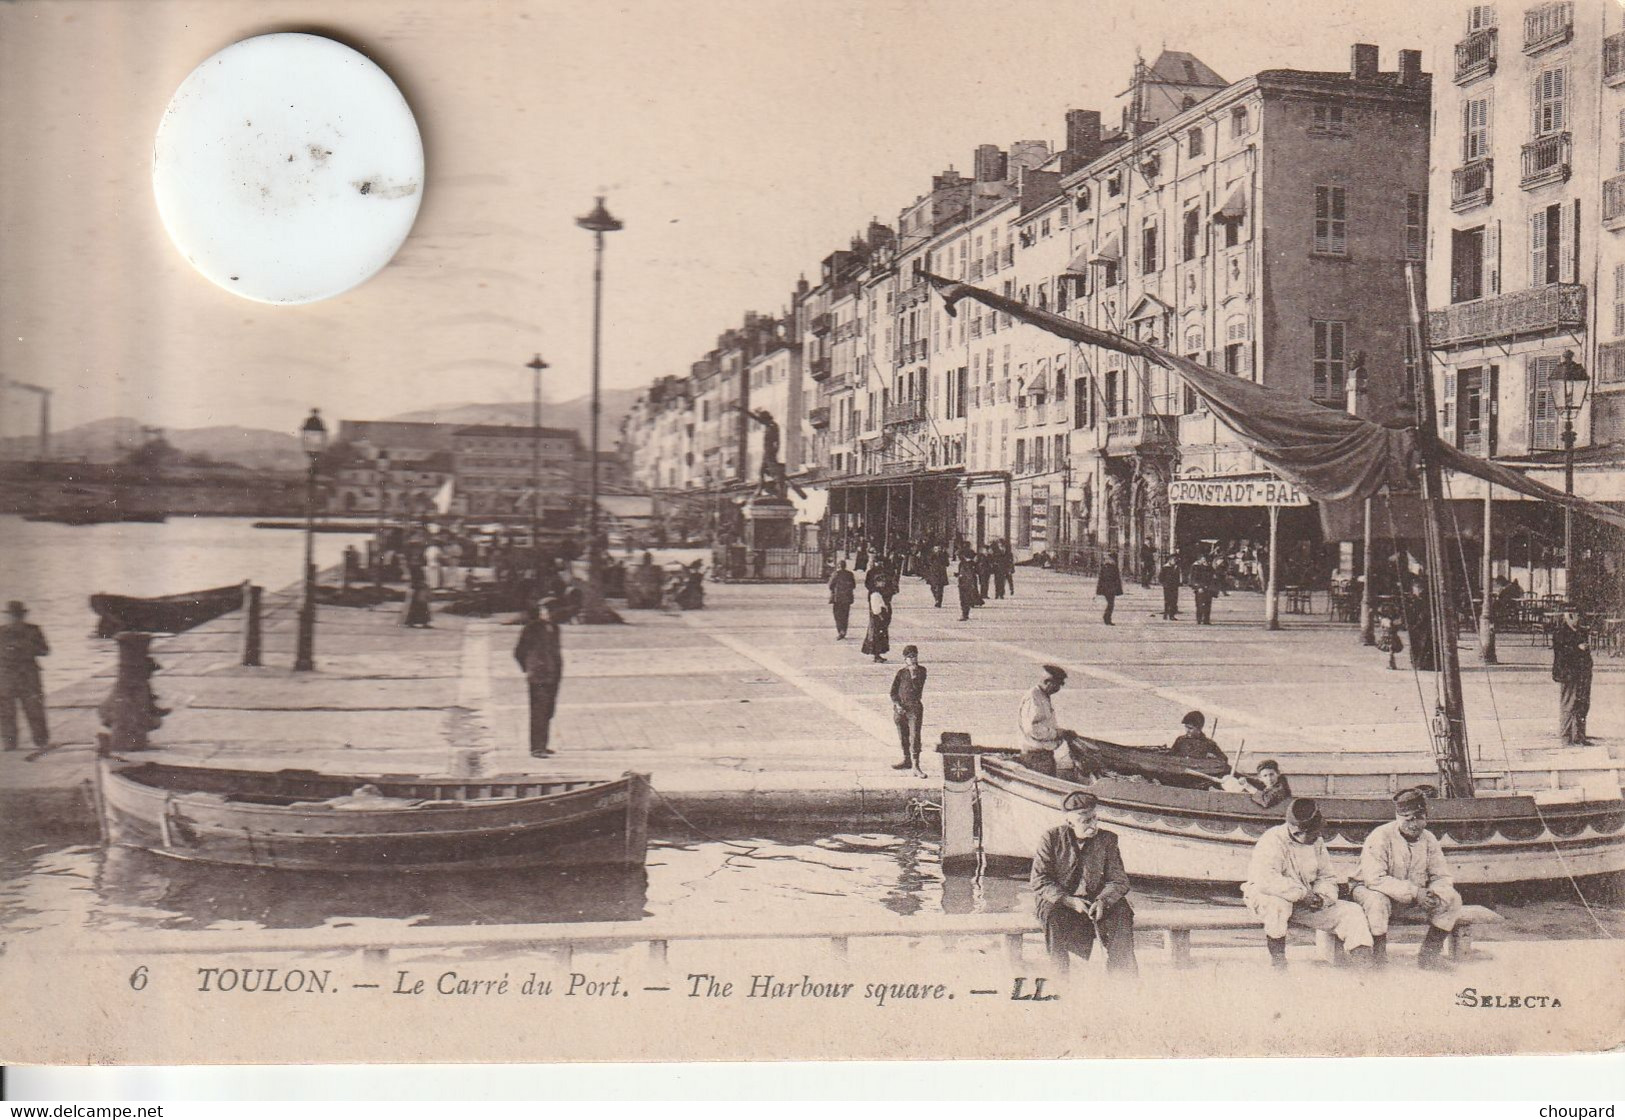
1363,62
1410,68
990,164
1083,132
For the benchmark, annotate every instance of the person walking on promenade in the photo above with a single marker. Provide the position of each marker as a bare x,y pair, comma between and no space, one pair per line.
1204,582
984,573
1009,561
1571,669
415,609
1043,746
996,559
1109,585
877,639
1080,890
1290,882
965,579
862,560
21,645
936,574
1403,867
1148,564
842,589
1168,576
540,656
908,708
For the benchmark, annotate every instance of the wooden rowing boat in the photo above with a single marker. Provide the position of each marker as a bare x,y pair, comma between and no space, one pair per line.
1101,757
994,805
302,820
163,614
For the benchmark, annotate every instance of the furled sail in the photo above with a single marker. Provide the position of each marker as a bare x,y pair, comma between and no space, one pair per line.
1331,454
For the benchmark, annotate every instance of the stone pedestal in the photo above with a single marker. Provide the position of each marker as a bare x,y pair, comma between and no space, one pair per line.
769,523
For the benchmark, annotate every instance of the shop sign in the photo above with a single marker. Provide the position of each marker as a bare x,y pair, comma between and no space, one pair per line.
1235,492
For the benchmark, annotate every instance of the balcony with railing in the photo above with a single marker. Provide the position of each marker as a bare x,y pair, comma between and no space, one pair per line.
820,323
818,417
1125,434
1613,202
900,466
818,368
1546,159
1552,309
1613,58
1475,55
1546,25
1472,185
904,412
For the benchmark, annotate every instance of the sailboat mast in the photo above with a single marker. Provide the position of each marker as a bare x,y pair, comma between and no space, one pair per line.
1450,726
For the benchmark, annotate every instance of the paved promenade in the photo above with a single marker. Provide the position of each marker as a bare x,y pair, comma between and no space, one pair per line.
751,703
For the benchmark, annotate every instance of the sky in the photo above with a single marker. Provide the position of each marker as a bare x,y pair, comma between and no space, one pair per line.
739,140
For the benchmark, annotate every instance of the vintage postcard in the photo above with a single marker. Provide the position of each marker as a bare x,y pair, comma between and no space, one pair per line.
537,531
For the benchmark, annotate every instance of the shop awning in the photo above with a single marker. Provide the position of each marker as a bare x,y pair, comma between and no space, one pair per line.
1235,206
1110,253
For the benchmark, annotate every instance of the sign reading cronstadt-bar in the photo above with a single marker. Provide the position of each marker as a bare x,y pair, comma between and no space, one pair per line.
1235,492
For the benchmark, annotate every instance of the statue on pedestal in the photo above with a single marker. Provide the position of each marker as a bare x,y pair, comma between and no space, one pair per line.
774,482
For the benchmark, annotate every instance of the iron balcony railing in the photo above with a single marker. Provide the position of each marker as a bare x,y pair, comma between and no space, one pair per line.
1547,24
1613,202
1550,309
1546,159
904,412
818,417
1129,433
820,323
1613,57
1472,184
1475,55
818,368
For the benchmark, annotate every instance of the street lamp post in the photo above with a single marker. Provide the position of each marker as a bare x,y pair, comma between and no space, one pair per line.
313,438
1571,376
378,536
599,222
536,366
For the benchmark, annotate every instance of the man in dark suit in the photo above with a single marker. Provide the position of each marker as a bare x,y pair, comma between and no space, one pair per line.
539,655
842,586
1109,586
1081,890
1168,577
21,645
908,708
1571,669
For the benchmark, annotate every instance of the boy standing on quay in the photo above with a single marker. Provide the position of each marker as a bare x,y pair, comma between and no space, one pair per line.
21,644
908,708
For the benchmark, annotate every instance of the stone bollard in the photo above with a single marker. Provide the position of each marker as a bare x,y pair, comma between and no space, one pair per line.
131,710
251,623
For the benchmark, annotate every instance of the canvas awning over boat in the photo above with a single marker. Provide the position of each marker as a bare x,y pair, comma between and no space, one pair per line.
1235,206
1333,455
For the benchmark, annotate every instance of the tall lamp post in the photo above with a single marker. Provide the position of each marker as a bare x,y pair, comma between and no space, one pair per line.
1571,376
382,463
313,438
599,222
536,366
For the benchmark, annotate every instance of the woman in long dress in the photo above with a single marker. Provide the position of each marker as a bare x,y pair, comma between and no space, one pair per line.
415,611
877,639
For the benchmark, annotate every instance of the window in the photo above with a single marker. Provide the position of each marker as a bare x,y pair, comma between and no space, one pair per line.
1193,142
1550,98
1475,410
1110,279
1416,211
1063,216
1475,129
1548,239
1466,264
1480,17
1331,221
1148,248
1192,237
1238,121
1329,118
1060,377
1114,184
1330,360
1238,351
1619,301
1082,404
1619,164
1038,455
1021,456
1412,366
1063,292
1542,404
1111,392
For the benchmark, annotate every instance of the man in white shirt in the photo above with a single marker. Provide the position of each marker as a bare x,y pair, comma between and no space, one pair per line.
1403,867
1043,746
1290,882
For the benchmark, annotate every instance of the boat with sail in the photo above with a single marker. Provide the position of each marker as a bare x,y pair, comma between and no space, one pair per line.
995,809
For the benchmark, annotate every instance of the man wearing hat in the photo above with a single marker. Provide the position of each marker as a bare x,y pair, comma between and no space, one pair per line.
1193,744
1402,867
1043,746
1080,889
908,708
1269,788
21,643
1290,882
539,655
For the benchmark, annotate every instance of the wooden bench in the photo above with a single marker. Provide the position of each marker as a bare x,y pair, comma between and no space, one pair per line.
1459,945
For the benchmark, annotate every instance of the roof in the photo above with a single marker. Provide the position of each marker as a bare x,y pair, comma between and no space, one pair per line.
1185,69
516,430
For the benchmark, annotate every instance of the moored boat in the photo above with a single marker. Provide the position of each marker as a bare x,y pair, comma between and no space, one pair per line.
163,614
307,821
1207,836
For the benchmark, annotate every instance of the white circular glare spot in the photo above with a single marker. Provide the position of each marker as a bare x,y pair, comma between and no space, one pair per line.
288,168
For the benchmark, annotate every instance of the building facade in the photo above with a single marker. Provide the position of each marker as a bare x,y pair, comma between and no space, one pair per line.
506,472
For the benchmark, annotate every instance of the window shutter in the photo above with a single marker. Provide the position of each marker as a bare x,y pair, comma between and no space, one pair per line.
1537,248
1447,421
1567,239
1492,409
1542,408
1492,258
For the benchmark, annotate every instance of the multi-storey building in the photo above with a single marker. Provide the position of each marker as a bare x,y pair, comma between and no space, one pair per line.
1526,244
503,471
